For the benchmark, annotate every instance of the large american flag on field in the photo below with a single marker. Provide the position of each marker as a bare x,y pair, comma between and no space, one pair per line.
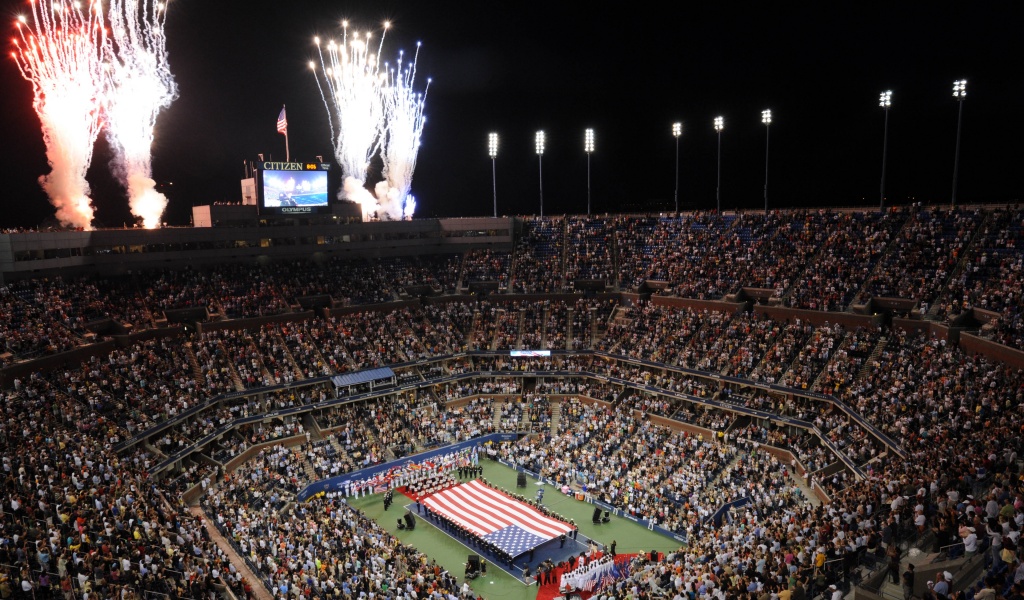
511,525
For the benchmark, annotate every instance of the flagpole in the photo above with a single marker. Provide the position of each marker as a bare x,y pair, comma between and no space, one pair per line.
287,153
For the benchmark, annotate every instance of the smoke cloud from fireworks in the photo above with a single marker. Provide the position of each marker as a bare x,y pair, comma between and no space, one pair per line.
372,112
353,189
140,85
61,52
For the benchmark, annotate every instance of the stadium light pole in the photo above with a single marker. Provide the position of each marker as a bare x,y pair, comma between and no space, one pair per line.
538,142
492,151
588,147
719,126
677,130
766,118
959,92
885,101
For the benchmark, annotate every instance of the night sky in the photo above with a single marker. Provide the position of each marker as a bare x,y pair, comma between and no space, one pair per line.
516,67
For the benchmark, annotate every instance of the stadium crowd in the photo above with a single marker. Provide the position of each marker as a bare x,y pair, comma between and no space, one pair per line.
88,513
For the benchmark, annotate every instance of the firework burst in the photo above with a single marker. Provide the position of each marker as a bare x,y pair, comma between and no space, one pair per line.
60,50
140,85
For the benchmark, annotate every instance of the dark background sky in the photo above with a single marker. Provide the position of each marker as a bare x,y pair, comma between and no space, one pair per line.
516,67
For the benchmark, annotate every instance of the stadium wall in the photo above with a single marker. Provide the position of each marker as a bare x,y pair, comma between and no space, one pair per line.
252,451
113,252
973,344
50,362
72,357
817,317
693,303
707,434
360,308
255,322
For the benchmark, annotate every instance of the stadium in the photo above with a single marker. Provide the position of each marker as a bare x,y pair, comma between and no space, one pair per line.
307,393
729,405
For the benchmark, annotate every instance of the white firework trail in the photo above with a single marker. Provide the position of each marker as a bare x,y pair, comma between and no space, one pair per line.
403,128
351,91
140,85
61,52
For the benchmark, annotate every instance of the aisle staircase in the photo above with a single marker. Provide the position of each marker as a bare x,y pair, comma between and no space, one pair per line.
524,420
299,375
880,265
873,359
235,377
264,372
556,416
496,411
197,371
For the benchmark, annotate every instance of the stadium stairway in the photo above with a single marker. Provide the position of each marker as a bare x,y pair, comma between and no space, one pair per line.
219,315
728,467
545,314
310,425
264,372
556,414
473,326
496,411
873,358
619,317
880,264
524,419
563,259
804,340
801,483
299,375
260,591
597,329
492,343
462,271
235,377
569,329
613,283
819,379
933,310
197,371
307,467
340,454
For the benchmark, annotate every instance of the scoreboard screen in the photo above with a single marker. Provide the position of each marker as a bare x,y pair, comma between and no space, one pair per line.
293,188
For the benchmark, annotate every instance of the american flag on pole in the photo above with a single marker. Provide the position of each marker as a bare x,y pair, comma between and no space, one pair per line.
510,525
282,122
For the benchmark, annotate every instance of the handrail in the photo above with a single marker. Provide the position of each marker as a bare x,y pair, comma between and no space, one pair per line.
944,551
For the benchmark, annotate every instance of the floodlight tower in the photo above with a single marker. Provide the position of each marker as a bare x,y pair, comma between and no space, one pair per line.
492,151
885,101
766,118
677,130
588,147
959,92
719,126
538,142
